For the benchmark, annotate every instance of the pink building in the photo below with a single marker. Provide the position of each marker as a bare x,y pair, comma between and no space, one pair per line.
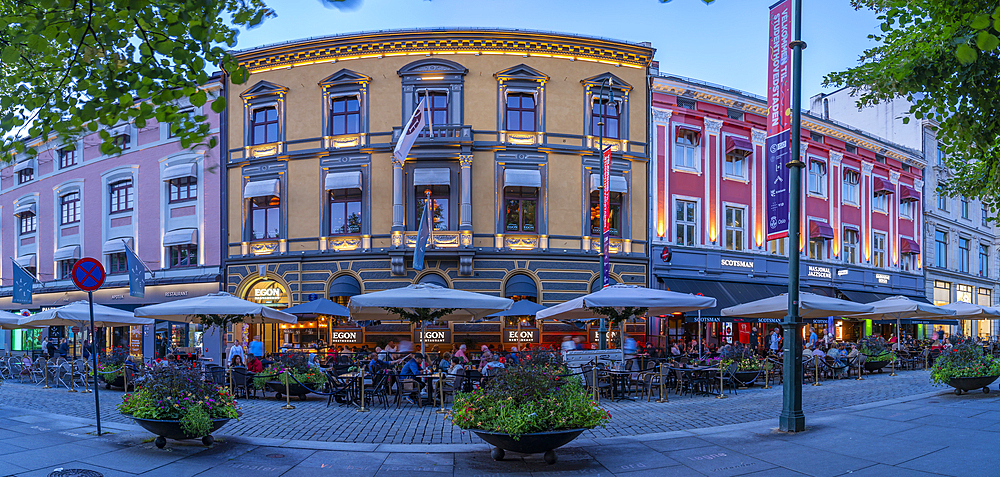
160,198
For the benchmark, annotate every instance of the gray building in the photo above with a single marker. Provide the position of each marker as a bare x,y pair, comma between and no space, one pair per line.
960,250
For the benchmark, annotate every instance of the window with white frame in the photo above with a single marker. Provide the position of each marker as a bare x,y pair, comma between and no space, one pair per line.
817,178
984,260
965,207
906,209
778,246
880,202
735,228
120,196
686,148
27,223
942,201
851,242
878,249
906,262
986,216
736,164
964,245
686,222
69,208
850,187
817,249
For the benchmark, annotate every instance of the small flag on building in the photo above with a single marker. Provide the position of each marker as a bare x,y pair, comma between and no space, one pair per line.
22,284
423,234
410,132
136,274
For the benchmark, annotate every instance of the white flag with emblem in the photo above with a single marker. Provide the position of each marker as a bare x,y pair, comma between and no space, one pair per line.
410,132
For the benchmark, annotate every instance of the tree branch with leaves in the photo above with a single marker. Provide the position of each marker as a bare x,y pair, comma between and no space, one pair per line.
420,315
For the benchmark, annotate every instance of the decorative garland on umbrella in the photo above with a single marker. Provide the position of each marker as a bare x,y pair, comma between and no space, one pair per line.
223,321
419,315
618,315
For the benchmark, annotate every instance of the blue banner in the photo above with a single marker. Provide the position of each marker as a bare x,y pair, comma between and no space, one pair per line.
423,233
136,274
22,285
777,149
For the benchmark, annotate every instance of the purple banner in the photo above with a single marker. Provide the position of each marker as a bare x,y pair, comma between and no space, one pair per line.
777,149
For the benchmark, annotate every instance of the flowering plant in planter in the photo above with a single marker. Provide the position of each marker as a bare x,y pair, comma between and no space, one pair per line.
964,360
170,393
875,349
109,366
528,398
747,359
298,366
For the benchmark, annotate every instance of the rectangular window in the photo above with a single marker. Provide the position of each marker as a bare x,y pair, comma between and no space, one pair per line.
686,146
69,207
27,223
736,165
117,263
906,168
940,156
183,255
440,205
850,189
520,112
941,249
942,201
345,211
817,249
878,250
687,103
606,113
264,126
851,149
879,158
66,268
25,175
817,178
986,215
984,260
880,202
520,214
816,137
614,212
963,254
778,246
985,299
124,141
942,293
734,114
345,115
734,228
265,217
905,262
851,237
686,222
906,209
965,206
437,106
183,189
963,293
120,196
67,158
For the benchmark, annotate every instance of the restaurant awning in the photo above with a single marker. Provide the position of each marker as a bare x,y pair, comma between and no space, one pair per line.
343,180
868,297
739,144
432,176
726,294
178,171
821,230
618,183
345,285
522,178
908,245
907,193
263,188
918,321
880,185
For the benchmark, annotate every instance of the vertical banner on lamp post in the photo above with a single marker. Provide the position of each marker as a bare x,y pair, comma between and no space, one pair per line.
606,209
779,95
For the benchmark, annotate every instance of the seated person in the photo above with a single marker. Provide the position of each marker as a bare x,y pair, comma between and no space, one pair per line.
236,361
254,365
412,367
445,362
492,366
818,353
376,365
512,358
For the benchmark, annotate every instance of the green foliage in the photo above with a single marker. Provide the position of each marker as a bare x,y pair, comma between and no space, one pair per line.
876,350
110,366
196,422
169,393
944,57
419,315
747,359
70,66
618,315
528,398
964,360
295,364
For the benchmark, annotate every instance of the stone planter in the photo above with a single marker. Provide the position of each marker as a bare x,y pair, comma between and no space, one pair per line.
533,443
171,429
964,385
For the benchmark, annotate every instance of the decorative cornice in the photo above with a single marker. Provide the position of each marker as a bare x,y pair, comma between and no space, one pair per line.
918,184
662,115
759,137
445,41
867,167
894,177
465,160
836,158
713,126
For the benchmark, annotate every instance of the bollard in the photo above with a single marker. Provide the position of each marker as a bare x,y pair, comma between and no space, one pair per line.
893,373
816,373
230,380
663,394
597,390
767,377
45,371
860,376
72,377
361,384
125,378
288,401
86,379
721,384
441,392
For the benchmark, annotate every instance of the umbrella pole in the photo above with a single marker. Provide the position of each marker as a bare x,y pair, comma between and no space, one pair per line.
423,339
698,344
893,373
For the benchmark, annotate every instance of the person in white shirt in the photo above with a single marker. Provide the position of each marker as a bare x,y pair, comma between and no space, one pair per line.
236,350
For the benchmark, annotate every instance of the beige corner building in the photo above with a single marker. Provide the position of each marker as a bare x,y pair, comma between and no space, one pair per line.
317,207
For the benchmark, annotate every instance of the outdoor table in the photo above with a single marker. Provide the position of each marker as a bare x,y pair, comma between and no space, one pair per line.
619,378
433,381
354,393
701,371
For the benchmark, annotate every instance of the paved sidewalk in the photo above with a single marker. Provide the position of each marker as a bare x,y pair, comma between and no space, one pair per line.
935,433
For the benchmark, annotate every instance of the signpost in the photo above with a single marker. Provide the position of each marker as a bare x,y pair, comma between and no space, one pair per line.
88,275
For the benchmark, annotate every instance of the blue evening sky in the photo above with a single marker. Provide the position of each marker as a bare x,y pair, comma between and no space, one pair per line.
725,42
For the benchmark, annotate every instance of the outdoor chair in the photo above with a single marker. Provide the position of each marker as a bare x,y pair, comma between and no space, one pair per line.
23,368
456,384
5,369
377,391
408,387
38,371
240,382
728,379
339,389
216,375
836,368
588,379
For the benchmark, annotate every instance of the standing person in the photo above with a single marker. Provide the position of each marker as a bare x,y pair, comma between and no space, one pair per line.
812,336
50,348
630,347
64,348
775,345
389,353
567,345
754,340
256,347
236,350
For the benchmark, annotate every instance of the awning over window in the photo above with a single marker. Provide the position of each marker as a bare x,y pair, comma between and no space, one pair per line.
738,144
821,230
685,127
868,297
520,285
26,261
180,170
264,188
24,165
30,207
919,321
618,183
882,186
522,178
726,294
345,285
116,245
343,180
907,193
432,176
180,237
597,285
908,245
71,252
435,279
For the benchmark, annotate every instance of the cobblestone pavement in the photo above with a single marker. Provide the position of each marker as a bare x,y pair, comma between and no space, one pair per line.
312,420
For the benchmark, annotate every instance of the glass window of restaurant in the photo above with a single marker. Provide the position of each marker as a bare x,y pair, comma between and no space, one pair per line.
985,297
273,294
942,292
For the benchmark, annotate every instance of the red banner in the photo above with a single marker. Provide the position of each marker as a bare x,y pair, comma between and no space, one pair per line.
606,208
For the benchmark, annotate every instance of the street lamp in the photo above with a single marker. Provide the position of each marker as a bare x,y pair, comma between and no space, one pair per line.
602,332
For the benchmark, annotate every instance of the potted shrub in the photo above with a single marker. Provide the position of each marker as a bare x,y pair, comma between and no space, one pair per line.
750,364
529,408
965,366
111,367
877,353
297,365
177,403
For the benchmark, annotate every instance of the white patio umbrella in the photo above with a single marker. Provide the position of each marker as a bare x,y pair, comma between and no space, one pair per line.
12,321
465,305
969,311
189,309
900,307
78,314
657,302
811,305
